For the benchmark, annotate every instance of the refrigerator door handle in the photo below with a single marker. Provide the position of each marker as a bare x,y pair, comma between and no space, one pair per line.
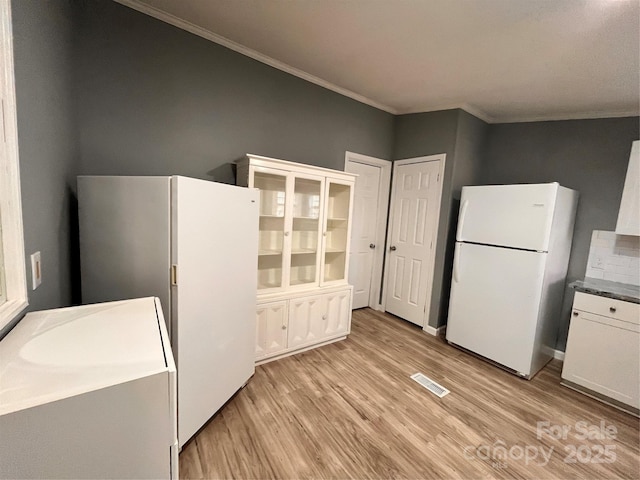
463,213
456,259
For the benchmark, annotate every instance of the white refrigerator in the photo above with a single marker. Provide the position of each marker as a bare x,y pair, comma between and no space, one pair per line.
89,392
194,244
512,251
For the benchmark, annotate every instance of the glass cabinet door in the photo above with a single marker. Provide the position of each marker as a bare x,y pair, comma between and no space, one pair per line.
336,231
272,227
306,228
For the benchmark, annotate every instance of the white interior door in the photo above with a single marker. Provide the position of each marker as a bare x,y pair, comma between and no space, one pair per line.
375,227
415,204
215,247
363,231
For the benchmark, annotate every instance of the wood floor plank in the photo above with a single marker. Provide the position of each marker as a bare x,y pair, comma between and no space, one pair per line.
350,410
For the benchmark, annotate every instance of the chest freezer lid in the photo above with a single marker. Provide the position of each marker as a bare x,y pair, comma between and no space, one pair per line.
55,354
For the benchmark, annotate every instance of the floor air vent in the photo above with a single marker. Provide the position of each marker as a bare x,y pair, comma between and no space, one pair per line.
430,385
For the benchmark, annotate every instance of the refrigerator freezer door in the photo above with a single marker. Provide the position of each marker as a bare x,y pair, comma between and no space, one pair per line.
215,248
494,306
516,216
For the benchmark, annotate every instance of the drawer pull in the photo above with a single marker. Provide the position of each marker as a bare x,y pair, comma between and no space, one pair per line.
575,314
612,309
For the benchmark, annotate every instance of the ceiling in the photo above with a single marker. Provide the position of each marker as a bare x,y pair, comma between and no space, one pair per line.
501,60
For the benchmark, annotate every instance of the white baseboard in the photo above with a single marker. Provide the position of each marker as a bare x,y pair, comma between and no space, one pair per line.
436,332
558,355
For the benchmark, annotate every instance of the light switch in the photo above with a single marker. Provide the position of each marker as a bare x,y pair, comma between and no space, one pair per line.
36,270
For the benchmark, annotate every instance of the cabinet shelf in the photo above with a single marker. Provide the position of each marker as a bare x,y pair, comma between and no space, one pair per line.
334,250
302,251
272,216
264,252
265,285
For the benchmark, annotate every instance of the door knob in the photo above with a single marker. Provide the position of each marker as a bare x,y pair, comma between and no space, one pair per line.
372,245
392,248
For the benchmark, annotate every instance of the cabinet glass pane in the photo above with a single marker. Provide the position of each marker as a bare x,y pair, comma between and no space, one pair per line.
272,193
271,237
304,241
336,238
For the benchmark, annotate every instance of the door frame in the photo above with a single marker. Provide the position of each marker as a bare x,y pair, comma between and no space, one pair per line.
441,158
375,294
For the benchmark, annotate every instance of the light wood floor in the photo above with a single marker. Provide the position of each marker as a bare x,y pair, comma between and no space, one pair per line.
350,410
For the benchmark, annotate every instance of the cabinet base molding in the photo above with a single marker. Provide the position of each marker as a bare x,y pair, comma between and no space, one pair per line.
295,352
602,398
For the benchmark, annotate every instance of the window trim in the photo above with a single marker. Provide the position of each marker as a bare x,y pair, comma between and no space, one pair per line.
10,198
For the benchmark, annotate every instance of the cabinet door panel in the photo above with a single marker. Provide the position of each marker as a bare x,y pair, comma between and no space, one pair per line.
272,257
306,320
336,231
271,333
602,355
307,210
338,313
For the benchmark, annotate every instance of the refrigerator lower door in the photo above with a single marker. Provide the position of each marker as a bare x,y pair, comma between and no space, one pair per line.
516,216
494,305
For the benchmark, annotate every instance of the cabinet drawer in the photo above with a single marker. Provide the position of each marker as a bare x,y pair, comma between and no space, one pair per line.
607,307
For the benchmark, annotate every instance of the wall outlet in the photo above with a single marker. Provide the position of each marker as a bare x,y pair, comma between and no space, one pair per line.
36,270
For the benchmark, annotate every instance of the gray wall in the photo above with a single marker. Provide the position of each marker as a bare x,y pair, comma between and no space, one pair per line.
590,156
43,36
153,99
461,137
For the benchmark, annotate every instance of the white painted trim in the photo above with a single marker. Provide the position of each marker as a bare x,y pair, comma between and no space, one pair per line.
475,111
558,355
568,116
381,222
236,47
436,332
441,158
10,199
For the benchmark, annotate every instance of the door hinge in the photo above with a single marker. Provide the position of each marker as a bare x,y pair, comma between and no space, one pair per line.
438,179
174,275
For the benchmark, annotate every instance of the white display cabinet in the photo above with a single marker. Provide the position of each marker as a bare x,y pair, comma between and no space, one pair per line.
304,230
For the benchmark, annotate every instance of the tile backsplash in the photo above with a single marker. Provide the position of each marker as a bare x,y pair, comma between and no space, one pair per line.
614,257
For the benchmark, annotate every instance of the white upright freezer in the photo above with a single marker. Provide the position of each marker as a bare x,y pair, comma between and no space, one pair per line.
511,257
89,392
194,244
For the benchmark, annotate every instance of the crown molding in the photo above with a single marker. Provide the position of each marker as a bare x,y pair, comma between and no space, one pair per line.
236,47
567,116
154,12
476,112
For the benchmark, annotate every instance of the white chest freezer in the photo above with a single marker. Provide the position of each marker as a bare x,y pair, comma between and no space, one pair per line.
89,392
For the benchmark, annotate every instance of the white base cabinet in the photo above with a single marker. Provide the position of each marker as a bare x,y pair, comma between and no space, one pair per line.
297,323
603,350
